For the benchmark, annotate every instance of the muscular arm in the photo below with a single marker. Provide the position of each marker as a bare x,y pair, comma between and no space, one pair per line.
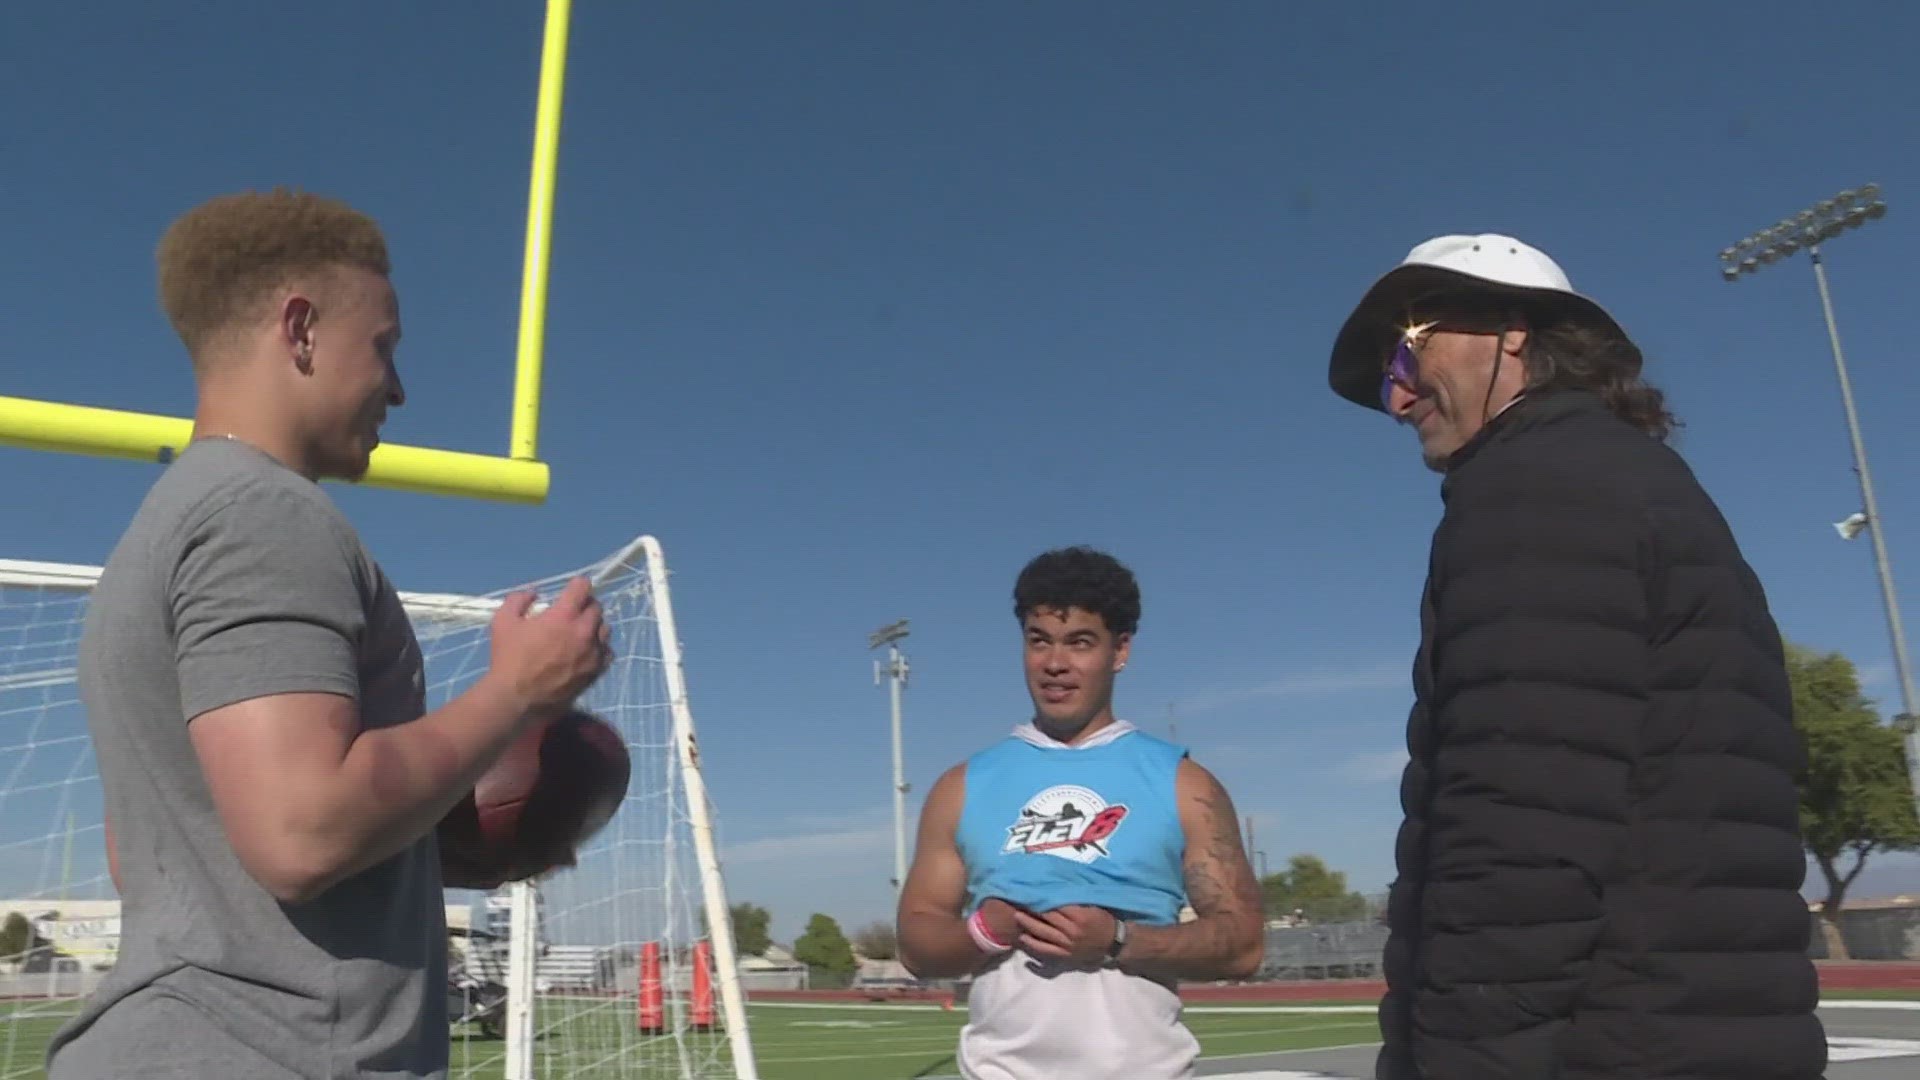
934,942
287,883
1227,938
338,800
269,612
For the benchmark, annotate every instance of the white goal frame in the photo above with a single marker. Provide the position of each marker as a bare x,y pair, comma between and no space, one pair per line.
446,608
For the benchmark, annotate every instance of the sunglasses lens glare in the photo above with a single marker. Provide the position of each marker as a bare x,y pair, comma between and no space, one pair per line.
1401,370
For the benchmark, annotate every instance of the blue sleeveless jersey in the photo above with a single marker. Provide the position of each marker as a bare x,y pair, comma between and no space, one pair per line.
1044,827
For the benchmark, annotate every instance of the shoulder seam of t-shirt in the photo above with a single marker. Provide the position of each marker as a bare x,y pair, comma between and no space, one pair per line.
230,492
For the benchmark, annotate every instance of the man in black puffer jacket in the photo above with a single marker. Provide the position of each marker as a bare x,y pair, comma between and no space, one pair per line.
1600,866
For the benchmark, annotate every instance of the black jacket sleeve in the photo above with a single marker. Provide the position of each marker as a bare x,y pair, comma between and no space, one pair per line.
1539,681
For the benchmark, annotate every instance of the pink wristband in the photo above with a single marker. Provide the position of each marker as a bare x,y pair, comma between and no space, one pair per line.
983,937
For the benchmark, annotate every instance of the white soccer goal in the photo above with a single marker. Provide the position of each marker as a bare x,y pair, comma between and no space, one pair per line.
621,968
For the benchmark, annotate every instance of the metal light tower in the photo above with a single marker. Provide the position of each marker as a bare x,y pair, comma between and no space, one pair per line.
895,672
1808,230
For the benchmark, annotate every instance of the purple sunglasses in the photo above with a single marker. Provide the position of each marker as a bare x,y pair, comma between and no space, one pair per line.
1402,370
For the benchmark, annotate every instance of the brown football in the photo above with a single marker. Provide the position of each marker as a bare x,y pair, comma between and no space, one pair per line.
560,783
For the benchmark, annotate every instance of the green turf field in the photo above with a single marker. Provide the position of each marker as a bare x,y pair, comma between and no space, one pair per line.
876,1043
794,1042
790,1042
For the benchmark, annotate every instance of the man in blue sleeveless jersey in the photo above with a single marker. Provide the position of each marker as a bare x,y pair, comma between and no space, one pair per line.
1053,865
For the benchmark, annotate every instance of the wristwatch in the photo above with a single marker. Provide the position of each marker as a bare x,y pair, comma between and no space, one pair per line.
1119,939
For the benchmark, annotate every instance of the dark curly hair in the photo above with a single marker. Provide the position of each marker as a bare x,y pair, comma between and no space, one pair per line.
1081,577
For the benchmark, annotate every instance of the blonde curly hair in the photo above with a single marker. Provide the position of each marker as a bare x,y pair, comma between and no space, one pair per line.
221,260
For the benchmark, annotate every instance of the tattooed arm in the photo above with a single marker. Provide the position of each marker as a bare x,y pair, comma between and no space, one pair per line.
1227,938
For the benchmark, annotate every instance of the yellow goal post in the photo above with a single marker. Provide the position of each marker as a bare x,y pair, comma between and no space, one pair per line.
519,476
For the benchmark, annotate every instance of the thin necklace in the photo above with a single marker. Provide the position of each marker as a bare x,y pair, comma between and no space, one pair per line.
167,454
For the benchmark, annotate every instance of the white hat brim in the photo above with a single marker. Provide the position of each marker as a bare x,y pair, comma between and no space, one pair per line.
1361,349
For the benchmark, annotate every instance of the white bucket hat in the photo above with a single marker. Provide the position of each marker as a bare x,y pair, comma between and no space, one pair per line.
1489,263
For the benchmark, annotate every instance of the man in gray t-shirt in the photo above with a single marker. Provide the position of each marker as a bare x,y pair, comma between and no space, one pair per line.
239,579
273,780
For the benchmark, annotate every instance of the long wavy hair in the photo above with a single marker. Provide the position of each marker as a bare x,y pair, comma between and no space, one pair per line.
1568,355
1562,353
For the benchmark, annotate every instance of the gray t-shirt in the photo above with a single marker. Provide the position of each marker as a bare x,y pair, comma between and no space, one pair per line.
239,578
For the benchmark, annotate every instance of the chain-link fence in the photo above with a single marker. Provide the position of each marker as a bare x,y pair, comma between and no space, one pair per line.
1874,933
66,983
1353,950
1335,951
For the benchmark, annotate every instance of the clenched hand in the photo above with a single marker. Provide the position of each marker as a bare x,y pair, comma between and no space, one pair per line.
1076,932
551,658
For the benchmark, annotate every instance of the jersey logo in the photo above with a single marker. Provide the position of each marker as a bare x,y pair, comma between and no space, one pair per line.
1067,821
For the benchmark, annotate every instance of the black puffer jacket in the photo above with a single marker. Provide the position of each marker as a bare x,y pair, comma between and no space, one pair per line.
1600,866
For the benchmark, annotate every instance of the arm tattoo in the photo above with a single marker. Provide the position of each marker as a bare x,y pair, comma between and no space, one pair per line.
1212,883
1226,936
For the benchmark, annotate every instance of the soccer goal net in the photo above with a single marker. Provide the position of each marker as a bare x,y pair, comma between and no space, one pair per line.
622,967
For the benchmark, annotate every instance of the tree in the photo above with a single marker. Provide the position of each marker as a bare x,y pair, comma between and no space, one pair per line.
16,936
1855,798
1309,887
750,929
876,941
825,951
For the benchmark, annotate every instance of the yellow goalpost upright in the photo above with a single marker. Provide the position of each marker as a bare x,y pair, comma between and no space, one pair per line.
518,476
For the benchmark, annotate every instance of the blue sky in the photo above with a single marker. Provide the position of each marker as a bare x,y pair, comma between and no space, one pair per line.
857,307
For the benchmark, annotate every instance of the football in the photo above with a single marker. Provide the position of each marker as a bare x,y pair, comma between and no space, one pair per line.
551,791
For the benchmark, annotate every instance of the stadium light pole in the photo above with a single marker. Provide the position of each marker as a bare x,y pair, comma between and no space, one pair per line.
1807,230
895,673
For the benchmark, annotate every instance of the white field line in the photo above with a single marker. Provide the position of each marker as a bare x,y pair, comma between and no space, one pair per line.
781,1052
849,1005
1248,1010
1890,1004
